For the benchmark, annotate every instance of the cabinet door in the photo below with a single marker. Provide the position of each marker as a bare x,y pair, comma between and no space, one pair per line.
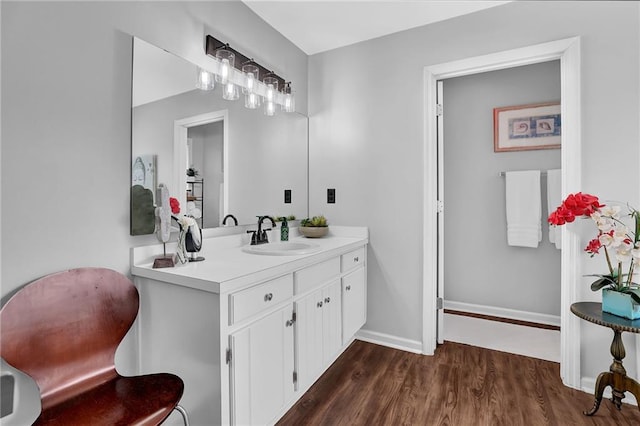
354,304
309,336
262,368
331,322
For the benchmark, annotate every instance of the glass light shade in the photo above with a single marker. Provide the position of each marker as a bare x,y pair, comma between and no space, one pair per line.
272,88
204,79
269,108
252,100
230,92
252,75
227,62
288,99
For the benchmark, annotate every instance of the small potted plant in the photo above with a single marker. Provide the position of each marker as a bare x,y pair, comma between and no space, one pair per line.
621,246
315,227
192,173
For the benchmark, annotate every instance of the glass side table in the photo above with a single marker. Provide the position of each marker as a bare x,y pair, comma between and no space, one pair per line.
616,377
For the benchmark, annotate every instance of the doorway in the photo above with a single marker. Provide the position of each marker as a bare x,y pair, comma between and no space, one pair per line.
490,285
568,52
210,193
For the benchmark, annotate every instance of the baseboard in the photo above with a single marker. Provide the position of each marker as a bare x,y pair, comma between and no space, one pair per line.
588,385
503,312
390,341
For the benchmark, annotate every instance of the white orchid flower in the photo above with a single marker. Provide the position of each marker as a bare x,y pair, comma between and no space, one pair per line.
623,254
610,211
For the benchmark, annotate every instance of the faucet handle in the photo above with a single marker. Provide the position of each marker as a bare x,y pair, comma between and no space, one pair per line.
254,237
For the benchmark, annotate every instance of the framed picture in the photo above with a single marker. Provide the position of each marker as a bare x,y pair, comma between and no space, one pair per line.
527,127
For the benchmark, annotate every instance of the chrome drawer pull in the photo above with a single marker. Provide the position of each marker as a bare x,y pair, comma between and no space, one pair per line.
355,259
319,304
348,288
327,300
268,297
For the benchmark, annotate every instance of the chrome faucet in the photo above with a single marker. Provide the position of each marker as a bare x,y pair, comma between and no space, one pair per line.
260,236
235,221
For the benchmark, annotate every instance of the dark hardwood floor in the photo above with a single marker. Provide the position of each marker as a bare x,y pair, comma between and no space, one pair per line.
461,385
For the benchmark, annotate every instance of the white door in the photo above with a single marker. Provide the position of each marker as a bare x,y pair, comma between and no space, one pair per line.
353,304
262,368
309,336
331,322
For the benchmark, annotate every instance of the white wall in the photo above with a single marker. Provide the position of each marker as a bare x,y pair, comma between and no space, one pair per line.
524,279
366,133
66,122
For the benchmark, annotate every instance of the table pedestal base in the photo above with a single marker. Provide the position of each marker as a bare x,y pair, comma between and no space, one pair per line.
616,377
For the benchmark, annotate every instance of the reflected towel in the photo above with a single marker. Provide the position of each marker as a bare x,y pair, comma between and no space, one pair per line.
523,199
554,199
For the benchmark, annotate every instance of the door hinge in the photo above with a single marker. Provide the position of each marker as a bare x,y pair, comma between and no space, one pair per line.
439,206
439,303
295,377
292,321
438,110
228,357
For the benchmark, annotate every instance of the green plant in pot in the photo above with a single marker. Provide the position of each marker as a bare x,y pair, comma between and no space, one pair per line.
315,227
621,247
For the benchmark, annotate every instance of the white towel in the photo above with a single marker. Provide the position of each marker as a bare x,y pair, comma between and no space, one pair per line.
554,199
523,198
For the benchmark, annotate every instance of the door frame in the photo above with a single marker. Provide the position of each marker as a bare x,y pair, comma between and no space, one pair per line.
568,52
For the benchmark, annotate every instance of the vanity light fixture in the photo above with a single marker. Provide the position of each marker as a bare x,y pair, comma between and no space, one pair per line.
289,101
270,98
251,74
247,76
204,79
227,62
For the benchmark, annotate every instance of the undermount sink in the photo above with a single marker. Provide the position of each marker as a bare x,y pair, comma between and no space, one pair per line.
285,248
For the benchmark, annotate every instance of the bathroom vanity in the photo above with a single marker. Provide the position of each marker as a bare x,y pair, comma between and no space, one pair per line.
250,333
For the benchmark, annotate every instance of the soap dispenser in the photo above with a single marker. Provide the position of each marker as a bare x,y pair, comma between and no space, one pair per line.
284,230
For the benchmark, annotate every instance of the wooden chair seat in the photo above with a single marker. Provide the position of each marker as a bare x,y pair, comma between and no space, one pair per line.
63,331
141,400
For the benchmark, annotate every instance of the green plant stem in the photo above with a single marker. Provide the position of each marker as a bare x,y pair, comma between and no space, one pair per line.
619,276
606,253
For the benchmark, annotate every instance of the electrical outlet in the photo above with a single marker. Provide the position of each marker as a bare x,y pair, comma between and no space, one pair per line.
287,196
331,195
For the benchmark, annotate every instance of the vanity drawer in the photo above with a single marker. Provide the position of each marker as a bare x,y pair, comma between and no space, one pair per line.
352,259
251,301
308,278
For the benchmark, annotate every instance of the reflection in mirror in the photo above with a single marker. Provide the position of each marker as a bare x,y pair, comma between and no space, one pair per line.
214,155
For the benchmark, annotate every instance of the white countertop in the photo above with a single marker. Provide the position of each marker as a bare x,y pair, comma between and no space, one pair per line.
227,268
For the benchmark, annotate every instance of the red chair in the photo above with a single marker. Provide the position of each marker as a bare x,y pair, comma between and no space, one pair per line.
63,331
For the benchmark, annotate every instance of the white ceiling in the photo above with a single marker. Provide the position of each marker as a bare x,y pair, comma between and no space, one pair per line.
316,26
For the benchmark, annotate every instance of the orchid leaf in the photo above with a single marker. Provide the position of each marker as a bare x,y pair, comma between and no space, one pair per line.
601,283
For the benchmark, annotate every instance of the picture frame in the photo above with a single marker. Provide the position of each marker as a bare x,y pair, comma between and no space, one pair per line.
527,127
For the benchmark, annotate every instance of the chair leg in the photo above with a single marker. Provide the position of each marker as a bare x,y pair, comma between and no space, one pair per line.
183,412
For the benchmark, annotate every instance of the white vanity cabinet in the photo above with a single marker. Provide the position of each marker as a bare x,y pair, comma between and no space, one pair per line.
318,331
249,334
262,368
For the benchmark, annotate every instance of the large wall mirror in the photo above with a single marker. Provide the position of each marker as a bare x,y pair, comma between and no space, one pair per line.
212,154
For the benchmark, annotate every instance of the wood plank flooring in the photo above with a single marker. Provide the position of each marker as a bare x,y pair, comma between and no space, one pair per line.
461,385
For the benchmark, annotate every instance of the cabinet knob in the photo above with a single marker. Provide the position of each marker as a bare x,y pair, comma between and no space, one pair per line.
348,288
327,299
355,259
319,304
289,323
268,297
